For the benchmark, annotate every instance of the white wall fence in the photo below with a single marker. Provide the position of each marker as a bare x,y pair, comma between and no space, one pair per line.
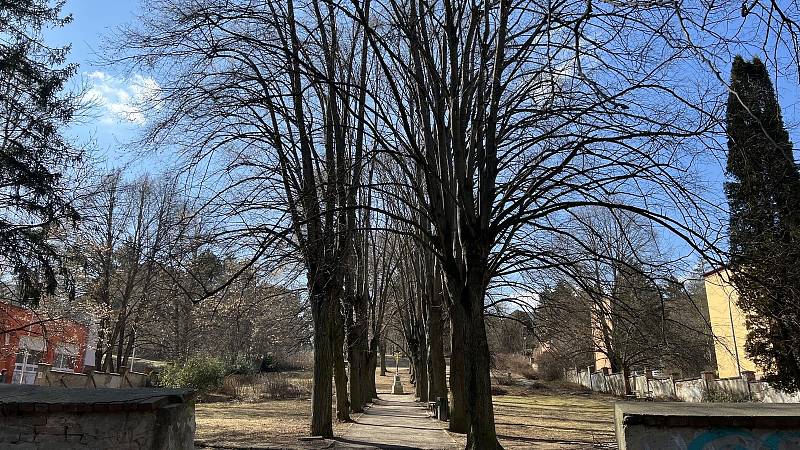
648,385
89,379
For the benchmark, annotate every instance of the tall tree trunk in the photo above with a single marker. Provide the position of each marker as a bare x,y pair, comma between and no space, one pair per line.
129,349
626,377
437,370
459,409
121,339
339,371
100,344
372,363
322,392
482,434
421,365
358,352
383,358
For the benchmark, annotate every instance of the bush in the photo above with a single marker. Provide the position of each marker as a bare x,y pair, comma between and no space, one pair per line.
240,367
302,360
497,390
551,367
268,364
515,363
504,379
723,395
266,386
200,373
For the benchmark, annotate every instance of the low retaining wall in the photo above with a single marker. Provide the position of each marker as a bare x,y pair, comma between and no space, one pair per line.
39,417
684,426
688,390
45,376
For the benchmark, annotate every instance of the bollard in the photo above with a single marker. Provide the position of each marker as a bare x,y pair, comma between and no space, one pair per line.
442,408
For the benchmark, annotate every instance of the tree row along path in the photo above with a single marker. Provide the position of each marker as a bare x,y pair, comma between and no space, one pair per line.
396,422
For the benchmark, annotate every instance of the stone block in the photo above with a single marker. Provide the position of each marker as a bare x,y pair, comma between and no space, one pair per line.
680,426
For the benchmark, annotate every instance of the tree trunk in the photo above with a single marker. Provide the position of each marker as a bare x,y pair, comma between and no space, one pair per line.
421,365
121,340
437,370
339,371
626,374
358,353
321,394
382,347
482,434
421,388
372,362
129,349
100,344
459,412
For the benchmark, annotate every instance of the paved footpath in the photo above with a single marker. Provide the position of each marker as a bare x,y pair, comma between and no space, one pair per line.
396,422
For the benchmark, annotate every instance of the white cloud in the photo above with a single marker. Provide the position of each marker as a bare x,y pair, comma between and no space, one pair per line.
122,100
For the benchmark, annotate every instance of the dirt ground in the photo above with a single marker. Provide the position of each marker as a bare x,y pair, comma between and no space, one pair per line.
528,416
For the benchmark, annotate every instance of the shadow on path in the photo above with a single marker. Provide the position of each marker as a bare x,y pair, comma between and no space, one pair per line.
395,422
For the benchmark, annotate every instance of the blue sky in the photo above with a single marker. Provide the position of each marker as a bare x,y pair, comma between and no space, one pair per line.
116,119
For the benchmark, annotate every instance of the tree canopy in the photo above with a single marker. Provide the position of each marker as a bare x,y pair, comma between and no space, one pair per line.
764,197
34,109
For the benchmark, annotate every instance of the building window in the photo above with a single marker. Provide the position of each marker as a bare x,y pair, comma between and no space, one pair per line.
65,358
25,366
64,362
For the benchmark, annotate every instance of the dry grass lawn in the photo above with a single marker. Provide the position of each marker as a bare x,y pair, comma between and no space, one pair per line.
268,424
528,417
553,420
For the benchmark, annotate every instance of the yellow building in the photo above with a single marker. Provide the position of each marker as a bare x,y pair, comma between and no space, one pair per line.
600,320
728,325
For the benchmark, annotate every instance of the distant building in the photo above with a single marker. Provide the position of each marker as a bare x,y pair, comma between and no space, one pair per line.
601,325
728,325
27,338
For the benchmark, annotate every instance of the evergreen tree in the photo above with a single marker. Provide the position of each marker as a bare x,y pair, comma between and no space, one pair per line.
33,152
764,197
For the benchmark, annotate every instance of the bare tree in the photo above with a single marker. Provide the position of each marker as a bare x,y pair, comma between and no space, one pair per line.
126,229
266,96
518,115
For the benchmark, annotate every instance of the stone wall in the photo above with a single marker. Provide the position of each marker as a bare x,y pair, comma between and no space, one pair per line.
38,417
45,376
616,384
682,426
688,390
762,392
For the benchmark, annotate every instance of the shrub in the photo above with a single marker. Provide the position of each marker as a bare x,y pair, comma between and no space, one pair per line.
551,367
240,367
268,364
722,395
504,379
201,373
497,390
515,363
266,386
302,360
